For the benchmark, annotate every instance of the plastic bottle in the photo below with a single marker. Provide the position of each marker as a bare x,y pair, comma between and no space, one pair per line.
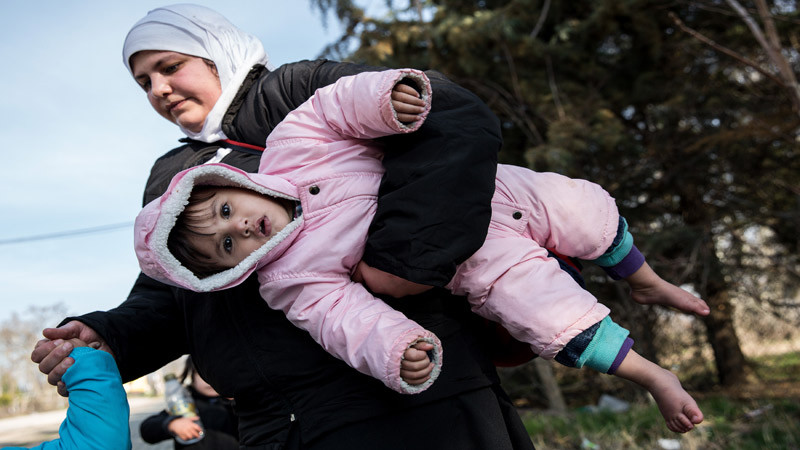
180,403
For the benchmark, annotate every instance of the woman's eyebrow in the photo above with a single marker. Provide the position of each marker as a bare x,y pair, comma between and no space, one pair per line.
163,61
159,63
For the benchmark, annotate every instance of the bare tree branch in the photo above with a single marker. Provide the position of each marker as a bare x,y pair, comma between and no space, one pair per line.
540,22
771,44
551,79
418,6
512,70
743,59
508,104
751,23
769,24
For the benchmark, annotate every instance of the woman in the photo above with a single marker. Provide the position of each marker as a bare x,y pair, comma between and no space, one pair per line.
288,392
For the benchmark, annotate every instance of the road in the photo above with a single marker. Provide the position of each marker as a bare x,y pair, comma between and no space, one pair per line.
33,429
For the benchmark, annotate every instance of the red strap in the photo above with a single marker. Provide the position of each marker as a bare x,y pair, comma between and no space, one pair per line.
566,259
242,144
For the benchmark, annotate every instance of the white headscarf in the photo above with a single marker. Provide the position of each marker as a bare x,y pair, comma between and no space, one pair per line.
198,31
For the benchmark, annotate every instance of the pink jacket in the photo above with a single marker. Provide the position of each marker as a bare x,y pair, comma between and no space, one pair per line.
321,155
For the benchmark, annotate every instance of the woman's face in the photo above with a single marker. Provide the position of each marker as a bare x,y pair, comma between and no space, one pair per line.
181,88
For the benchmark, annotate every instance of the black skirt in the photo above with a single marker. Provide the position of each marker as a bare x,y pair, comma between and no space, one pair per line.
483,419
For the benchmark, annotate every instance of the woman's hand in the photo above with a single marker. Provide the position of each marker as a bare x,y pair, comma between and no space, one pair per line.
52,353
406,103
384,283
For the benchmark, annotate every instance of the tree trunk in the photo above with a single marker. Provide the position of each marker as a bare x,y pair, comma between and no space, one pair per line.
732,368
552,391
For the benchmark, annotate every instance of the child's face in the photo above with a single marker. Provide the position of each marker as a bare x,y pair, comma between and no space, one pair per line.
239,222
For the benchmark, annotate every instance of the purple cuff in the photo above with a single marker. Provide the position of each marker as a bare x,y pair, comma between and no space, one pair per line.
629,264
623,352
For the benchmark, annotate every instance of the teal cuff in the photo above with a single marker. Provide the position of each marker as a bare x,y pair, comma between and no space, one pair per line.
605,346
618,252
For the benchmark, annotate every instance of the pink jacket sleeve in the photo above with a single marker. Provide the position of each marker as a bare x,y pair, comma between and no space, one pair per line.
349,323
326,133
572,216
321,144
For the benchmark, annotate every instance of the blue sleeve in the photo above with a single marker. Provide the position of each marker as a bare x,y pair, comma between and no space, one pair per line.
597,347
98,413
605,346
571,352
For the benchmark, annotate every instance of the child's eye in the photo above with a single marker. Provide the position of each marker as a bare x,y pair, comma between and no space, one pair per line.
225,210
227,244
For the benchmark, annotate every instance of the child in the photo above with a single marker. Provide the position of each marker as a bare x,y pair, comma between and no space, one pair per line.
302,228
219,422
97,417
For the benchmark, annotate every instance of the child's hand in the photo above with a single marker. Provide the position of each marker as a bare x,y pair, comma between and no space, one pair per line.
406,103
185,428
416,367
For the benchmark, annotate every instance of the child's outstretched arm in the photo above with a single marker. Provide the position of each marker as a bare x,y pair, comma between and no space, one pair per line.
580,219
676,405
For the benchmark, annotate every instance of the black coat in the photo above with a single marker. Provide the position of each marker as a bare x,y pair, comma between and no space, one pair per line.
289,393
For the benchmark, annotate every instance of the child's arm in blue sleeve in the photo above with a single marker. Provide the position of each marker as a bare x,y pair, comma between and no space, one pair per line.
98,413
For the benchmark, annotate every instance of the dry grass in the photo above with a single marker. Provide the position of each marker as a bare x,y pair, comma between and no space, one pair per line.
761,415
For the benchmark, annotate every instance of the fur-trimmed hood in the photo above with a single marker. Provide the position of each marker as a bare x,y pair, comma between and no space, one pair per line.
155,222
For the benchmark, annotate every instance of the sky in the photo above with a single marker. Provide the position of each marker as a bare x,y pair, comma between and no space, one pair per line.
79,139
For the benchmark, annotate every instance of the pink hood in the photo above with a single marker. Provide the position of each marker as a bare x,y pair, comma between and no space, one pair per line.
155,221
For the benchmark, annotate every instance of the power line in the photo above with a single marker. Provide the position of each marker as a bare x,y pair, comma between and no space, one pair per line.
63,234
